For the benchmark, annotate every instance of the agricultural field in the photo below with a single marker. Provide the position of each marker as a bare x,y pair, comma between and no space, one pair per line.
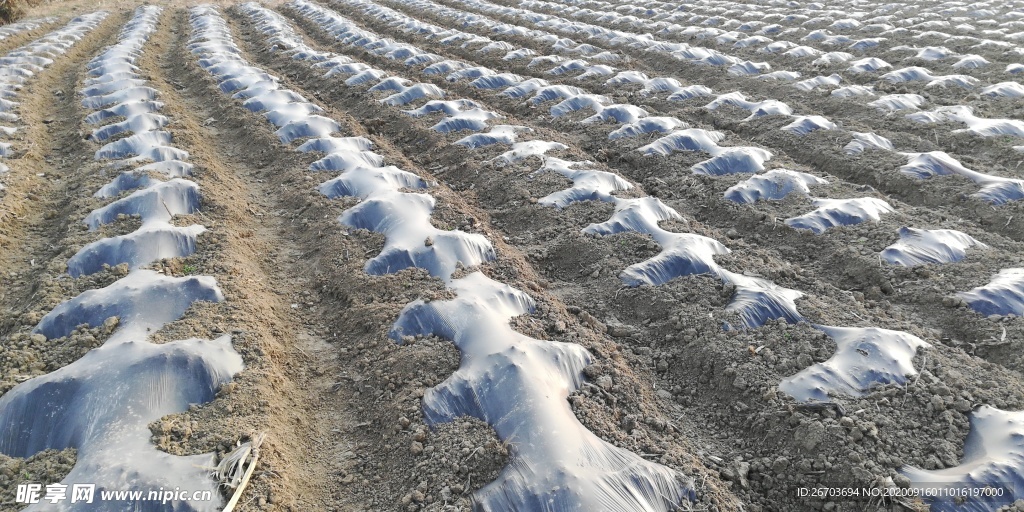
569,255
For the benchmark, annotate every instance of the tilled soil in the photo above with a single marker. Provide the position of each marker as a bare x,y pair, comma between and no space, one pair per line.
340,402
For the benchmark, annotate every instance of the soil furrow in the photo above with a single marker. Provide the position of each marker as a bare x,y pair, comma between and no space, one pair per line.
256,270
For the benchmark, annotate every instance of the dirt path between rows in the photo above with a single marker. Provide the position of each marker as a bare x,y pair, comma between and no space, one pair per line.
261,263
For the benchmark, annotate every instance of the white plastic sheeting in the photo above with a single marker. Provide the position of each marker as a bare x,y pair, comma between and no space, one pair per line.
819,81
402,217
862,141
1004,90
756,108
929,246
498,134
800,52
587,184
755,300
971,62
994,189
522,150
654,124
832,58
773,185
867,65
24,26
803,125
724,160
831,213
1003,295
865,357
143,246
781,76
851,91
102,404
919,74
575,12
897,102
114,88
746,68
519,385
993,458
980,126
753,295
